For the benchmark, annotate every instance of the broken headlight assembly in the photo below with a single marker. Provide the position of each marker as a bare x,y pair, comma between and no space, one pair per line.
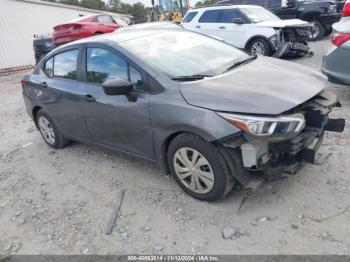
275,39
332,8
276,127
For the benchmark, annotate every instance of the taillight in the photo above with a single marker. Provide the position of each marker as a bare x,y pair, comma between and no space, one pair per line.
22,83
346,10
339,39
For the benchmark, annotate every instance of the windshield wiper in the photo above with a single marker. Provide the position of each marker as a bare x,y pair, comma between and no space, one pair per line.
190,78
249,59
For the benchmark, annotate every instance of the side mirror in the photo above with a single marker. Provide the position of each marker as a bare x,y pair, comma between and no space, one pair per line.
238,21
117,86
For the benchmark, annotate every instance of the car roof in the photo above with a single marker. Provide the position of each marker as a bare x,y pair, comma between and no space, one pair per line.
130,32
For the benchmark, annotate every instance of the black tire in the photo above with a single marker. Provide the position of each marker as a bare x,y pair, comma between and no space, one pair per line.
98,33
59,140
319,28
267,50
223,181
327,32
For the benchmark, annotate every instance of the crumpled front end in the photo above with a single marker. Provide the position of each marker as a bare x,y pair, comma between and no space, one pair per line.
270,158
291,41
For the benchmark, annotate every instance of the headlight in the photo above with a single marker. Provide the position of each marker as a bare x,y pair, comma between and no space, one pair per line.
275,39
332,8
267,126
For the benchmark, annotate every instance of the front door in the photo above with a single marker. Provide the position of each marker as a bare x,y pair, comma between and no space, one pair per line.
233,33
281,8
120,121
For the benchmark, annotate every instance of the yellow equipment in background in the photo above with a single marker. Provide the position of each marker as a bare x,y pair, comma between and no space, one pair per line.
171,10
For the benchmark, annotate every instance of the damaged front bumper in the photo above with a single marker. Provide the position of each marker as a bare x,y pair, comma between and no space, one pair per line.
292,49
271,159
291,41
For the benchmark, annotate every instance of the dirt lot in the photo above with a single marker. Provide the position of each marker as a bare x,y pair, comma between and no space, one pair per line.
59,201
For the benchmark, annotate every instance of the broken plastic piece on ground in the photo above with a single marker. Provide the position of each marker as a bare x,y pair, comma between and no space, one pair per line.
111,222
321,158
16,149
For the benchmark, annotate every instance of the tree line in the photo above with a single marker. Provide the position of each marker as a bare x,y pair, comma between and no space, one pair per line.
138,10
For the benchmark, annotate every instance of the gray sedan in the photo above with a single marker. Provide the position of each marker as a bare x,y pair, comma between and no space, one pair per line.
208,113
336,63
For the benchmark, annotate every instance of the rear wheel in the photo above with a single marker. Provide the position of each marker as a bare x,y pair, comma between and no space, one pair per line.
260,47
199,168
49,131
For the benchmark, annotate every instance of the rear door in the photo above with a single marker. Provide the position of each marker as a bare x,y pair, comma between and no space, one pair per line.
122,121
208,23
61,92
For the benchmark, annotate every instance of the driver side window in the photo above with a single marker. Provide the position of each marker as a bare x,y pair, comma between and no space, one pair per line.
227,16
135,78
102,65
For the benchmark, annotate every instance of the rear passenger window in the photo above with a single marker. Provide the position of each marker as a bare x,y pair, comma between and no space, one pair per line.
227,16
65,64
188,18
48,67
238,2
102,65
210,16
275,3
256,2
105,19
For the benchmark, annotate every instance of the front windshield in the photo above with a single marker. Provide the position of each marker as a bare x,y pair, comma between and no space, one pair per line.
259,14
184,53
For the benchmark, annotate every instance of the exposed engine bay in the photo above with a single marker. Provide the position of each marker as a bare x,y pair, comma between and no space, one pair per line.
291,41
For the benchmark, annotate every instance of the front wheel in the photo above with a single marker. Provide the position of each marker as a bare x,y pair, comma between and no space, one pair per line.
327,32
316,32
260,47
199,168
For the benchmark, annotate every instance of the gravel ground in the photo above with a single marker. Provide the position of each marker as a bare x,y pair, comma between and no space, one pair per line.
59,201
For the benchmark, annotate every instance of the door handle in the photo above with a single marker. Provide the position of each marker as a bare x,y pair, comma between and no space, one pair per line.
90,98
222,27
198,26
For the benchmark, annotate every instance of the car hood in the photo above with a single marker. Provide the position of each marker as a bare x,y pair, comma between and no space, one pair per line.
284,23
263,86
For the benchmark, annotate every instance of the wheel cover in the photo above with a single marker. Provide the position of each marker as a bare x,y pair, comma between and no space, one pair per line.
314,32
46,130
258,48
193,170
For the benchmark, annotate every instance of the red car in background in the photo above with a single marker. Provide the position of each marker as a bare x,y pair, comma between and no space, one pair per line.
84,27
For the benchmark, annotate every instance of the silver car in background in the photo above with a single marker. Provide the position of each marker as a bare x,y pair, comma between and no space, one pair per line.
336,63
